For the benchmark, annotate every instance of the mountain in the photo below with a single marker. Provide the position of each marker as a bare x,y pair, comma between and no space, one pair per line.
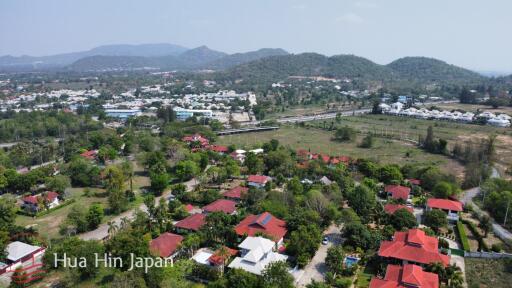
309,64
241,58
429,69
194,59
59,60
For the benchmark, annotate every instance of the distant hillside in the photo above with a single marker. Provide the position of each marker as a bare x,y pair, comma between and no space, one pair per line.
241,58
310,64
429,69
144,50
193,59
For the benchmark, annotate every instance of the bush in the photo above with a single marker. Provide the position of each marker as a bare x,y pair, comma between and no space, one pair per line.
497,247
463,236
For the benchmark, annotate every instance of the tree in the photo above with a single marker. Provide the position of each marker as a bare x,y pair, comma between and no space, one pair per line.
358,235
254,163
402,218
186,170
443,190
4,240
367,141
238,278
304,242
276,275
107,153
127,169
58,183
435,219
389,173
485,224
362,200
344,134
159,181
94,216
114,179
8,210
334,259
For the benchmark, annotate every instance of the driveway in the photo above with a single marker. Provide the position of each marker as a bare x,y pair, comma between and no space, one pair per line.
316,269
101,232
459,261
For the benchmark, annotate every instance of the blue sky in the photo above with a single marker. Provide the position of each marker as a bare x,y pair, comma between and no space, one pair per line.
472,33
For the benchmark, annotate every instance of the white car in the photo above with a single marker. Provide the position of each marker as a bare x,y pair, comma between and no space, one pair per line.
325,240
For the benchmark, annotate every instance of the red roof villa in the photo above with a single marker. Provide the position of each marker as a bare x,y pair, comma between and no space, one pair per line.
449,206
90,154
191,223
218,149
196,138
31,202
221,205
258,181
398,191
235,194
265,223
407,276
413,246
392,208
166,245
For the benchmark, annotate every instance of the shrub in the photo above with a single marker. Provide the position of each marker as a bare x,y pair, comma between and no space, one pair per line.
463,236
497,247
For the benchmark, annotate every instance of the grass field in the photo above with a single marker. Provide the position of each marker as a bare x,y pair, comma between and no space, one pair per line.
487,273
319,141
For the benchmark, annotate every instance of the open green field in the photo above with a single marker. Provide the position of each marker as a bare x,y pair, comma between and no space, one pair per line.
319,141
487,273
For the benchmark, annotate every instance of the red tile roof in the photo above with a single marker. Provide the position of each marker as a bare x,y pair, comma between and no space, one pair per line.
398,191
50,196
260,179
221,205
265,223
218,148
444,204
192,222
90,154
166,244
392,208
408,276
189,207
413,246
196,137
217,259
414,181
235,193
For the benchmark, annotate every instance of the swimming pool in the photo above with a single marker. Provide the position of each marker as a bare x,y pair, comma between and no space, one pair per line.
349,261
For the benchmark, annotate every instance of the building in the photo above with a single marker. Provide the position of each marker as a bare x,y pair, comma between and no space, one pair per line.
407,276
213,259
235,194
258,181
263,223
452,208
414,182
196,138
90,154
414,247
166,245
392,208
190,224
219,149
20,254
183,114
256,253
221,205
48,199
122,113
398,192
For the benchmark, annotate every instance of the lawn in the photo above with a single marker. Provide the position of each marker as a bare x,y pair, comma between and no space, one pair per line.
487,273
364,276
317,140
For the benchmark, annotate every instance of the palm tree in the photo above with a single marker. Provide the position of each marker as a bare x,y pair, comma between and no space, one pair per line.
112,228
456,280
485,224
379,213
438,269
224,254
125,222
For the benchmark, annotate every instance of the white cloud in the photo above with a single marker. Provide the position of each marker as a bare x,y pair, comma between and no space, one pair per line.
366,5
350,18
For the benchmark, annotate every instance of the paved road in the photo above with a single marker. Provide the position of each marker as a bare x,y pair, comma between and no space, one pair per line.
102,231
316,269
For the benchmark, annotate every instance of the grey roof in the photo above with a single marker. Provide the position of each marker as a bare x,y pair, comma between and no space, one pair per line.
17,250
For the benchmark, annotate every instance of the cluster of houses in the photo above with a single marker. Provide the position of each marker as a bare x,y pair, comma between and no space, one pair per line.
501,120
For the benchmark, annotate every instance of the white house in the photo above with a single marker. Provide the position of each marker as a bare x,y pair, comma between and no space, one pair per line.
256,254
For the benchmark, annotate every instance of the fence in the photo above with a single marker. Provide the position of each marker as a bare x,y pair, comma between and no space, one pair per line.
487,255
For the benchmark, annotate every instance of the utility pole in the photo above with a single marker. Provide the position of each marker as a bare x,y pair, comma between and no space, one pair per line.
506,213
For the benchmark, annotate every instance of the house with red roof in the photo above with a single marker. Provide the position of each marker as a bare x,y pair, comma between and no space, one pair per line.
219,149
407,276
264,223
192,223
414,182
221,205
258,181
196,138
166,245
49,200
413,246
235,194
451,207
215,259
398,192
90,154
392,208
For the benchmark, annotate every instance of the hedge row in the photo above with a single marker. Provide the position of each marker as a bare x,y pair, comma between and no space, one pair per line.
482,246
463,236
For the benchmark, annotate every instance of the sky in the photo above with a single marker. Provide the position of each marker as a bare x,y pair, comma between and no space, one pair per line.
475,34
